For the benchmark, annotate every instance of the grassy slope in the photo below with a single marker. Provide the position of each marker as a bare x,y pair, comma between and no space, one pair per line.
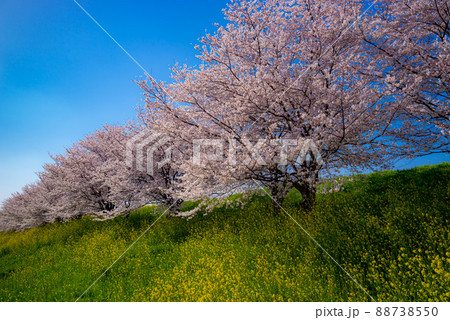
391,233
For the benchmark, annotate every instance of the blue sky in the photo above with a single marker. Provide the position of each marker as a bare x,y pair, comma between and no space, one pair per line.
62,77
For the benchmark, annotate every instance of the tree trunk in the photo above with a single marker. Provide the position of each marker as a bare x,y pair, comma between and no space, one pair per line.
277,198
308,192
174,204
278,192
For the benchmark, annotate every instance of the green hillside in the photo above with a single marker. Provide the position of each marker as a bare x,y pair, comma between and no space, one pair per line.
390,232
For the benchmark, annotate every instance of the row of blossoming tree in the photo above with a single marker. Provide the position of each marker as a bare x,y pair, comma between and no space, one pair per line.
367,83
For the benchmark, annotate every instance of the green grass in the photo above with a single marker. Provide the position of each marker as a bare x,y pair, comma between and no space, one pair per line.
390,232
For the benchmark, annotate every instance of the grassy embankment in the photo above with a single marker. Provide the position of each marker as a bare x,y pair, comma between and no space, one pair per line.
390,232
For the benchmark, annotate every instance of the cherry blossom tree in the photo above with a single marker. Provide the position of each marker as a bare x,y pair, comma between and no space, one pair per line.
90,178
94,178
25,210
286,95
409,41
286,71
